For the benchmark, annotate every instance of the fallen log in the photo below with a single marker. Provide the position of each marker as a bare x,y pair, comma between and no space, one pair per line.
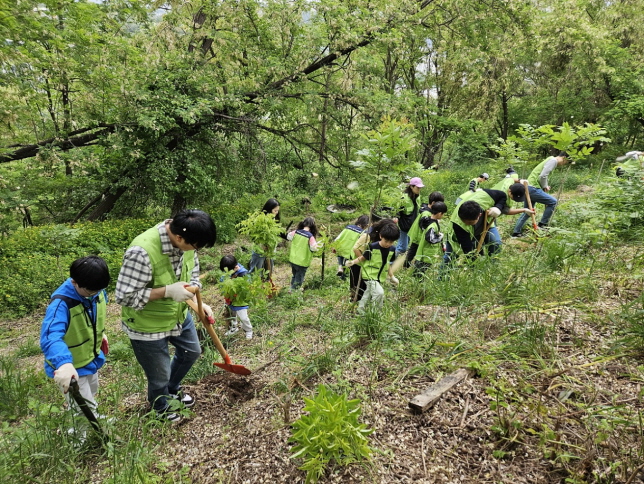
420,403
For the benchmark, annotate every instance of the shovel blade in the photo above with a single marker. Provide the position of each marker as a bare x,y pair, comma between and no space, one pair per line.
237,369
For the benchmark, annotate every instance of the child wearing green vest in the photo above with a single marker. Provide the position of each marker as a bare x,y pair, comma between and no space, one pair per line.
303,244
430,248
72,335
345,241
376,267
237,306
415,232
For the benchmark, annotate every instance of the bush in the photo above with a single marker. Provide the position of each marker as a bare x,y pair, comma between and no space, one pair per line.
35,261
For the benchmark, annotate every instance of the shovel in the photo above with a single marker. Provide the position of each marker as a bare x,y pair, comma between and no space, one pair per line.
207,323
527,197
486,227
87,411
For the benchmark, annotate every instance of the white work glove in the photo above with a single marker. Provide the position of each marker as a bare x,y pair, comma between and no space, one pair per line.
63,376
493,212
349,263
393,280
207,310
178,292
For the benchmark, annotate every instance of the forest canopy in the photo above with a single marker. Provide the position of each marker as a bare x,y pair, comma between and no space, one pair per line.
112,106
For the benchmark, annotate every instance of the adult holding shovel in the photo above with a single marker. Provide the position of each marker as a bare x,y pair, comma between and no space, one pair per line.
538,188
151,288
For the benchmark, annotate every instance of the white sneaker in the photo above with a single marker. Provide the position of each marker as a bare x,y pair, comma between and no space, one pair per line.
249,335
231,331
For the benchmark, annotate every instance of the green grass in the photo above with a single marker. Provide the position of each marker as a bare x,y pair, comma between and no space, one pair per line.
535,326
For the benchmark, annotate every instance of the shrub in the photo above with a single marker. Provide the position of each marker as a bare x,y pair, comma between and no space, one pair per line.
34,261
330,432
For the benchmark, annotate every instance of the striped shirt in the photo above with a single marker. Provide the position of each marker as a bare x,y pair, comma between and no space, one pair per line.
136,273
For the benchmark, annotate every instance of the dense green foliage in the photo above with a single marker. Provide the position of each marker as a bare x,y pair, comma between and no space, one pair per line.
250,289
34,261
120,109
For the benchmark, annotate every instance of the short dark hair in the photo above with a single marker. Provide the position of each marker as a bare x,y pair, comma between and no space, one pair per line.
510,170
90,273
227,263
196,228
362,221
438,207
469,210
374,235
390,232
310,223
563,154
517,190
436,197
270,204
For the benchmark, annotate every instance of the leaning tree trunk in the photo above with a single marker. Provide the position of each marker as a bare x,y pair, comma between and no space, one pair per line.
106,205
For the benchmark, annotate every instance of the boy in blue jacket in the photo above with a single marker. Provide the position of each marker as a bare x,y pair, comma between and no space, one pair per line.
72,336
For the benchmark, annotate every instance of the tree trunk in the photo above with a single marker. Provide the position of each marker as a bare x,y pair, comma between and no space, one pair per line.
179,202
106,205
504,117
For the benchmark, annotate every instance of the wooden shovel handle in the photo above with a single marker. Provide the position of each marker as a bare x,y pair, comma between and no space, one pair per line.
198,309
527,197
486,227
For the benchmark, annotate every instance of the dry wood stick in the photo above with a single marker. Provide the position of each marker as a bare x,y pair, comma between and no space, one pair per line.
527,198
482,238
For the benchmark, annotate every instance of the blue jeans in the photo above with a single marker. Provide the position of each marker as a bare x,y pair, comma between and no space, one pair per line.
164,376
403,242
298,275
537,195
493,241
258,262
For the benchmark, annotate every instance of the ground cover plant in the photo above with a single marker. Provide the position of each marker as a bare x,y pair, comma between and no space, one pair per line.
550,333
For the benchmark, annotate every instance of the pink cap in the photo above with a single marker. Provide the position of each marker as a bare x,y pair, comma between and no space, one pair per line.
417,182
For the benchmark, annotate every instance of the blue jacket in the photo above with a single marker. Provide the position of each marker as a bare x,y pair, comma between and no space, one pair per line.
55,325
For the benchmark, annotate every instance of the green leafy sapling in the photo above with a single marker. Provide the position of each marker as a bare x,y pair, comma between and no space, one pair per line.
248,289
263,232
578,141
384,163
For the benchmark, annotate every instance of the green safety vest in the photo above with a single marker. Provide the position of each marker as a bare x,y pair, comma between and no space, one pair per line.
84,336
415,232
346,240
300,253
376,268
456,220
482,198
505,184
467,195
429,252
161,314
533,179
